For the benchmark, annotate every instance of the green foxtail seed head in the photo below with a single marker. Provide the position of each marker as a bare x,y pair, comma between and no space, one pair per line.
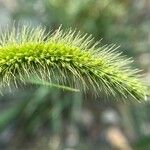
67,58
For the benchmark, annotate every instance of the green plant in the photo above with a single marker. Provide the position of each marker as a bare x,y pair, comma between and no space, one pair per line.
69,59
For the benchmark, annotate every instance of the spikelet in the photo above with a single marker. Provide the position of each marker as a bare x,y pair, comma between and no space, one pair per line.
67,58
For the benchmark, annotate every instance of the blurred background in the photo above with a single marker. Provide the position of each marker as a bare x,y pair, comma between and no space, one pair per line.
44,118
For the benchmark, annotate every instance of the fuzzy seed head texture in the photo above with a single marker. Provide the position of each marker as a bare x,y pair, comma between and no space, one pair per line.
68,58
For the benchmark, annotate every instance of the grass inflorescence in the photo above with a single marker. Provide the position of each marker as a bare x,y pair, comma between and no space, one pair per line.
67,58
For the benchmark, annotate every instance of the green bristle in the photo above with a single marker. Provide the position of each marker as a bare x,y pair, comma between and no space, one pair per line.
67,58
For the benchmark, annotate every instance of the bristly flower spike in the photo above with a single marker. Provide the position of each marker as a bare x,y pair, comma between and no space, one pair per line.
69,59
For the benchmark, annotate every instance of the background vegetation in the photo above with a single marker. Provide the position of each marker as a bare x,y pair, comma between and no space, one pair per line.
48,118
